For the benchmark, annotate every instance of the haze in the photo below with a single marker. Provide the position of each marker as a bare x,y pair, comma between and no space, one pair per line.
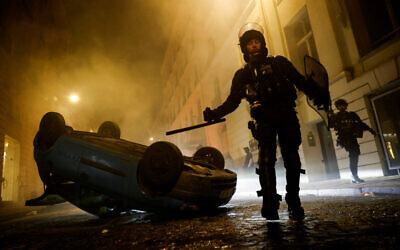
108,53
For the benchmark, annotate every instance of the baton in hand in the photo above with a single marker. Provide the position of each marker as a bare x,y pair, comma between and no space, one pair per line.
195,126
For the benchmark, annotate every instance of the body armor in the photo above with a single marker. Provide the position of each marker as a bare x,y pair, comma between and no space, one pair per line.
349,127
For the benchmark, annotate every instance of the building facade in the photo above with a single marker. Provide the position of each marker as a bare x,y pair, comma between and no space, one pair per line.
23,43
357,41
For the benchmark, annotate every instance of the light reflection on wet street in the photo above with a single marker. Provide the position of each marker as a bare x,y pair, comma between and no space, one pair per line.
360,222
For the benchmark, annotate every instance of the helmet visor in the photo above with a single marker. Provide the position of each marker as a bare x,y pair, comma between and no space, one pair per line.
250,26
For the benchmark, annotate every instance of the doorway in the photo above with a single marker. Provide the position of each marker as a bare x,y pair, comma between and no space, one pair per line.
328,152
387,112
10,174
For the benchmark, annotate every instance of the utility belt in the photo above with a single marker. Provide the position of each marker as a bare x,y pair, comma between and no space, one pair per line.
259,108
261,112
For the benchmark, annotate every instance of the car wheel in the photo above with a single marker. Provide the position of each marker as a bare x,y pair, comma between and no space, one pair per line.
160,168
109,129
210,155
51,127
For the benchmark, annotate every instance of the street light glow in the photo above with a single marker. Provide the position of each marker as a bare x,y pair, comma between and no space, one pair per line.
74,98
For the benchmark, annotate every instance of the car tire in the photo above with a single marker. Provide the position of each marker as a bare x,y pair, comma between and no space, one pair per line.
159,168
109,129
210,155
51,127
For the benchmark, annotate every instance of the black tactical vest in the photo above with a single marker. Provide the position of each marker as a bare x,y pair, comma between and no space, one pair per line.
267,83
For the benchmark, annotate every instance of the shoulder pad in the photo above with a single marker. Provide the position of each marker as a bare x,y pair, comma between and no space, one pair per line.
240,71
281,58
240,74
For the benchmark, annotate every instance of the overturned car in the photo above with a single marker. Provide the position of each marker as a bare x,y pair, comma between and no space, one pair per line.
106,175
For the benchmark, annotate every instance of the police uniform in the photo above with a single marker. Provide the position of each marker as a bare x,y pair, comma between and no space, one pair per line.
349,127
269,87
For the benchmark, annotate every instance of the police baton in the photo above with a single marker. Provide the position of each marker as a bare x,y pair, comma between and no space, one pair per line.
195,126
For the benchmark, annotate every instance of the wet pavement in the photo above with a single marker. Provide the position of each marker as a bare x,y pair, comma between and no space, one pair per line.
367,222
336,187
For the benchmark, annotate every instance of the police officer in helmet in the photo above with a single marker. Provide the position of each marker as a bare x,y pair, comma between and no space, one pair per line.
349,127
269,85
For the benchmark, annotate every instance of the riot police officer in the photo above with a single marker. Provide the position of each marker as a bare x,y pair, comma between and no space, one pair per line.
268,84
349,127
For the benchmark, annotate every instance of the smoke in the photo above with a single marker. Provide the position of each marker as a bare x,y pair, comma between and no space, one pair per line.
109,53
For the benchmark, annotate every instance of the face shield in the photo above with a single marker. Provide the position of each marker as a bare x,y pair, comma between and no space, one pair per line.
250,26
248,32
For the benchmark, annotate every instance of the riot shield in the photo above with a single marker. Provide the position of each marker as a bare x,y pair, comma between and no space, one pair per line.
316,72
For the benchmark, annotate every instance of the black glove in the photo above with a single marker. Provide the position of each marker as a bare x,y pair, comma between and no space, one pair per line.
209,115
322,100
372,132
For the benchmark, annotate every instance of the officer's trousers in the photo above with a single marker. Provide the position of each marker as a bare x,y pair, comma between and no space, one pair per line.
284,125
351,145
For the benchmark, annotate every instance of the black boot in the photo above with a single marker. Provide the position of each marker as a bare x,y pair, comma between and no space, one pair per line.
292,163
296,211
270,206
357,179
266,172
353,155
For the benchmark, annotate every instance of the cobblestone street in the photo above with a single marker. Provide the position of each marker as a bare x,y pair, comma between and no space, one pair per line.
359,222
